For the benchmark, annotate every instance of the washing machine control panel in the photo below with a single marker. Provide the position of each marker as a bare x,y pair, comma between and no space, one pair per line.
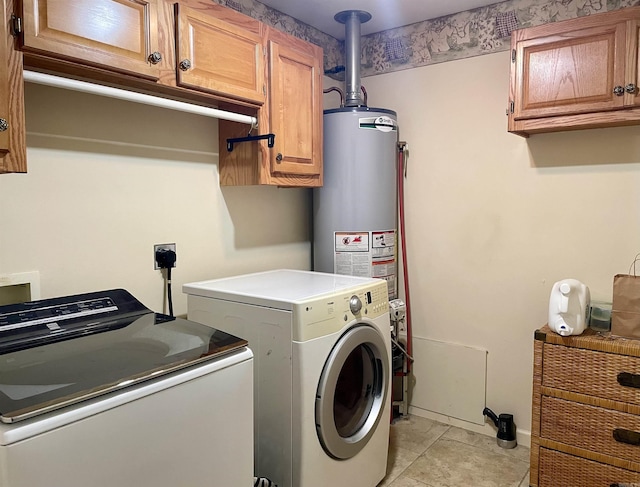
322,316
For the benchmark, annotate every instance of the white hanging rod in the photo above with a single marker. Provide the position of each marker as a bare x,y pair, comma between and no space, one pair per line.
85,87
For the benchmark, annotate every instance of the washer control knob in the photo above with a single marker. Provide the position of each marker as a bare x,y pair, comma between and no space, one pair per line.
355,305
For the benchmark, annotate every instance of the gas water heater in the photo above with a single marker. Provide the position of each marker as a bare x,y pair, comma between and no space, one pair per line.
355,212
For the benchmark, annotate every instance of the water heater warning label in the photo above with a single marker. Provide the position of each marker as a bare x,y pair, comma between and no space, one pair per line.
352,242
367,254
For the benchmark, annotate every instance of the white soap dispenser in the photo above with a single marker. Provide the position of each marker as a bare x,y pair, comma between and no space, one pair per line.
569,307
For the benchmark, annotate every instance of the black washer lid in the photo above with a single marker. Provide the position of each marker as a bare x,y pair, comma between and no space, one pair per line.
61,351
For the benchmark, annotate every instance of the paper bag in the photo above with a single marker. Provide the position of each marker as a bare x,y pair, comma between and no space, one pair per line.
625,311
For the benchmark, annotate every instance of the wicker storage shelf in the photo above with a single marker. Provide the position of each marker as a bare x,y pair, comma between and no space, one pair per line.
585,428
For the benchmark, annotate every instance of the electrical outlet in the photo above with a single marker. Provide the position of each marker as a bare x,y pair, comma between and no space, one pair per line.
156,247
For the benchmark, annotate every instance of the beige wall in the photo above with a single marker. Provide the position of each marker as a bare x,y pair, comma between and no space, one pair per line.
109,179
493,220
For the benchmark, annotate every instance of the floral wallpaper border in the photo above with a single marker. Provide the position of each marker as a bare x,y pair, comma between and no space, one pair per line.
471,33
466,34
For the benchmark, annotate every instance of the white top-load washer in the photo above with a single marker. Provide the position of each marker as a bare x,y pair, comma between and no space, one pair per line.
322,351
97,390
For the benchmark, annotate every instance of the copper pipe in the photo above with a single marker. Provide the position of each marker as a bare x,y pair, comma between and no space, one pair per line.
334,88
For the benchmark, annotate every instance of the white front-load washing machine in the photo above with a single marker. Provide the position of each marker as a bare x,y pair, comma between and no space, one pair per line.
322,349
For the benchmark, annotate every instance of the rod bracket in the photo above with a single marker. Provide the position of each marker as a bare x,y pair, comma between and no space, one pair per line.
271,138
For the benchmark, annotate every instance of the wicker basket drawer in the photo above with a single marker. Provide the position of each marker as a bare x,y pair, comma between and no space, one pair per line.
591,428
562,470
593,373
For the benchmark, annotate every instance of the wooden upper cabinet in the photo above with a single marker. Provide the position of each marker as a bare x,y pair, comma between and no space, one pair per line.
118,35
13,151
292,112
4,81
632,74
295,110
218,56
581,73
208,53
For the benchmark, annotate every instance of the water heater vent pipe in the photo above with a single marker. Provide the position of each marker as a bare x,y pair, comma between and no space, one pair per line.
352,20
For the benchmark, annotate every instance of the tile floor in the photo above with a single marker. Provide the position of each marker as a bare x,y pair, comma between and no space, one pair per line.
425,453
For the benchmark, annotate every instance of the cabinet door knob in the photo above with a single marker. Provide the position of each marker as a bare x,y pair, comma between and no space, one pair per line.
155,57
185,64
618,90
279,157
631,88
4,125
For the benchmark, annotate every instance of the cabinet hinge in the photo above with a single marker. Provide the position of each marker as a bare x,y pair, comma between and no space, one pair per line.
513,55
16,25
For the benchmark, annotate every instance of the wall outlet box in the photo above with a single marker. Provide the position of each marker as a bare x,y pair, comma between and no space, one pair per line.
156,247
19,288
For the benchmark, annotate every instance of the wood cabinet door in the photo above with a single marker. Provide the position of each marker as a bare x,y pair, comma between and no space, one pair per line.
632,76
218,56
4,81
571,72
295,110
118,35
13,151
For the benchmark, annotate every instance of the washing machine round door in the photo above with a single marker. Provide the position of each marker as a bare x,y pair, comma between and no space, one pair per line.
352,392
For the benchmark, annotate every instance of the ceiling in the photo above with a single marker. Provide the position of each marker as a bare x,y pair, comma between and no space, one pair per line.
386,14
